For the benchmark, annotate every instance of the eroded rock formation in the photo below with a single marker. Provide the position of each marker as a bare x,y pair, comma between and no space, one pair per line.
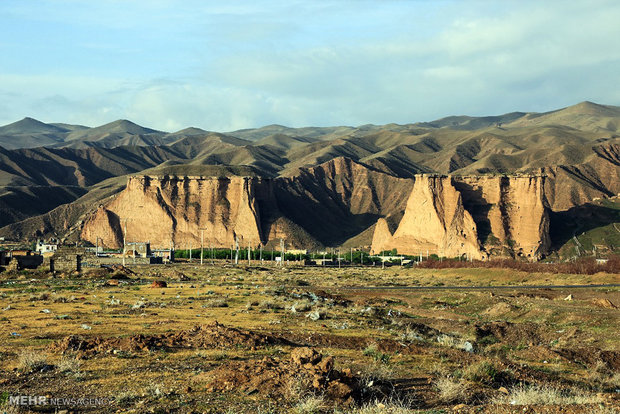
435,221
471,216
326,205
174,210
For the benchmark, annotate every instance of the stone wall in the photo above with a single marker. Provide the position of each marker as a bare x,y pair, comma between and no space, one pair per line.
66,259
70,259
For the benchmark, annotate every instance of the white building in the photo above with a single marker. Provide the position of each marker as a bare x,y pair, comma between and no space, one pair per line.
43,248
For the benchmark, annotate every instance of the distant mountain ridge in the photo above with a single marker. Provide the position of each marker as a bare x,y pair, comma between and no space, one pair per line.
577,148
29,132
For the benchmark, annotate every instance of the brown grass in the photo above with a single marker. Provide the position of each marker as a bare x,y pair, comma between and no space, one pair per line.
584,266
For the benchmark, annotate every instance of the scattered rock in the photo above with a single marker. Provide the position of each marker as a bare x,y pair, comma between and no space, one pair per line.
467,347
316,315
300,307
159,284
180,276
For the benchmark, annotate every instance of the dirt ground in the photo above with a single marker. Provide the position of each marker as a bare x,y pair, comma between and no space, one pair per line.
251,339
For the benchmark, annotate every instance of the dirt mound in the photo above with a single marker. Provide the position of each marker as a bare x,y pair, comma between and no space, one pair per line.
604,303
590,356
119,268
305,371
159,284
520,333
348,342
115,272
180,276
212,335
498,309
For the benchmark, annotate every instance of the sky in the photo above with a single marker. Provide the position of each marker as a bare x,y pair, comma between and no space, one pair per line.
227,65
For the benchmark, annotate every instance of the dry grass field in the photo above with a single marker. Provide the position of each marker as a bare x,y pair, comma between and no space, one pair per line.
310,340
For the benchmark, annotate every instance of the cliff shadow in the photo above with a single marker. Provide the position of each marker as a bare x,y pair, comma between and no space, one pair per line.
323,218
477,206
563,225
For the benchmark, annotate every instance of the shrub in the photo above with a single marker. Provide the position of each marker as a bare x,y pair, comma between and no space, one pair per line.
297,388
31,360
271,304
155,390
215,303
452,390
547,395
311,404
482,372
371,350
69,364
42,296
388,406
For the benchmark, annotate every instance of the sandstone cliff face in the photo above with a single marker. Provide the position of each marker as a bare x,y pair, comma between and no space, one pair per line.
382,237
327,205
471,216
323,205
173,210
510,212
434,221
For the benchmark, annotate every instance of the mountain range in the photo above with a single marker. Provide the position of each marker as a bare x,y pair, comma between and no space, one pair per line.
53,175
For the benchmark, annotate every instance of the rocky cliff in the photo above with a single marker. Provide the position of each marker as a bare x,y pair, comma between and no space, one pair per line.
511,213
328,205
472,217
435,221
322,205
168,210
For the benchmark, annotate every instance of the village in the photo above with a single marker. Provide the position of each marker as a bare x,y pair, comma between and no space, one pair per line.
58,258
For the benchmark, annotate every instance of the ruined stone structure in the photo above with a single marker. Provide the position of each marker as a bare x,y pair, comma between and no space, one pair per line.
21,259
66,259
140,249
71,259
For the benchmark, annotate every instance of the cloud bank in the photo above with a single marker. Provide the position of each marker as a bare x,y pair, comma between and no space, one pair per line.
169,65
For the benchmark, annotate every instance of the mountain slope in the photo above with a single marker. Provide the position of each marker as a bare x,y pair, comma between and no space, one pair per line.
331,184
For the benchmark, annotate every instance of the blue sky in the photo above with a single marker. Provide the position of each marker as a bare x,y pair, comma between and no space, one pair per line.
228,65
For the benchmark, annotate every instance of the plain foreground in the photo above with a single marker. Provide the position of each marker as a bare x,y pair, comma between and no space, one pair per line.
192,339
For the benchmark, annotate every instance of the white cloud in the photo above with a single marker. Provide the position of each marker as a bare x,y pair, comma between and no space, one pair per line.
224,67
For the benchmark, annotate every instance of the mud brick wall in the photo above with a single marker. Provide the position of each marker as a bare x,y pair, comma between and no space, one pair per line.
90,260
67,259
